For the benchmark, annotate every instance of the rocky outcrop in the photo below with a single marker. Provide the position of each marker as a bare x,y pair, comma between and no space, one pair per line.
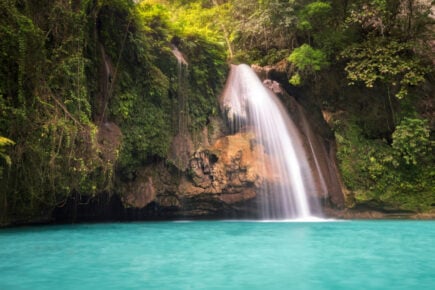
219,174
225,177
213,174
220,178
230,168
319,143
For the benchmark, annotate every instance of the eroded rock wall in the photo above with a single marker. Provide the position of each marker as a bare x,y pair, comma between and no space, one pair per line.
221,174
212,174
218,180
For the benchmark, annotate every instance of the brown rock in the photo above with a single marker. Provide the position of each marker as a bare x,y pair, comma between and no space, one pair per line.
168,201
231,170
188,189
140,194
231,198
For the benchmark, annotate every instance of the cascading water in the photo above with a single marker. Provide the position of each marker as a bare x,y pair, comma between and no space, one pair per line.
182,91
181,147
250,106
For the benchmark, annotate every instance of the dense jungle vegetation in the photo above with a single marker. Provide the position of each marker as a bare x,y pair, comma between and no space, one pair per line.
89,90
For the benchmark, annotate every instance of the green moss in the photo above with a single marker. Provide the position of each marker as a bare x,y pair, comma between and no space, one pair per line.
377,172
207,73
151,89
307,58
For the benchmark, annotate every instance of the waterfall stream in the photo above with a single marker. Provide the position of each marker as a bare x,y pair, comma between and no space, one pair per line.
250,106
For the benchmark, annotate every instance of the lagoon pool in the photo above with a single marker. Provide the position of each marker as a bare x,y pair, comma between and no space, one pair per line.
220,255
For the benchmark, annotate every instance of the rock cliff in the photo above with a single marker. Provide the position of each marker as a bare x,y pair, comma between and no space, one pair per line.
218,175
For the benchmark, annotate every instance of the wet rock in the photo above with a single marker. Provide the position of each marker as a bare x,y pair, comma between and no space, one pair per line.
319,143
140,193
232,198
230,170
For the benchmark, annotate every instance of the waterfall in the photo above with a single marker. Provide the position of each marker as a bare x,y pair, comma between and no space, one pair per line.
182,94
250,106
179,56
181,147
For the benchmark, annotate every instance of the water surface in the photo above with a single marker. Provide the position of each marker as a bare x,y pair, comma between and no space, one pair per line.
220,255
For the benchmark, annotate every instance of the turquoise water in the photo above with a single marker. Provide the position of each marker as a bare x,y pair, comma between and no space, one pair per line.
220,255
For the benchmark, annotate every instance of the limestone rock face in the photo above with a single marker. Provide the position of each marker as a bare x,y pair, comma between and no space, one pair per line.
319,142
213,174
316,133
230,169
151,184
140,193
225,177
218,179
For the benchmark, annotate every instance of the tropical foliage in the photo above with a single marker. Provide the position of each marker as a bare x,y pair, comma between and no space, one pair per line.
73,73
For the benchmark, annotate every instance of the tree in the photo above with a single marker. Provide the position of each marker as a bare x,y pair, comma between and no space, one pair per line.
411,140
387,61
306,60
4,142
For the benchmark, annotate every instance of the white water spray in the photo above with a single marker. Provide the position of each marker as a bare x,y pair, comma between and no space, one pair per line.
251,106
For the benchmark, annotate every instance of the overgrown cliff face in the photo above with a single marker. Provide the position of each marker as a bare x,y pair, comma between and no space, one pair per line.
380,171
223,174
318,141
89,94
368,68
219,178
106,123
46,108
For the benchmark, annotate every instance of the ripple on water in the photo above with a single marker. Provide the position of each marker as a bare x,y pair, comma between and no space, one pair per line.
313,254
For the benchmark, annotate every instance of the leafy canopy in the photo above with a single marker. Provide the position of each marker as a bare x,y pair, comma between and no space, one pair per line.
307,58
411,140
3,143
386,61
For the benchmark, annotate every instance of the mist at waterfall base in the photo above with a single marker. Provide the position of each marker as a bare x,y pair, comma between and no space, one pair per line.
220,255
250,106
